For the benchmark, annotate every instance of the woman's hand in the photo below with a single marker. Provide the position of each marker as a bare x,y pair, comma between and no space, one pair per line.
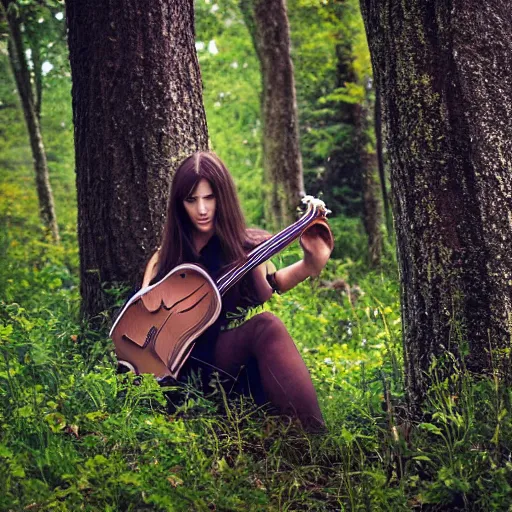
317,244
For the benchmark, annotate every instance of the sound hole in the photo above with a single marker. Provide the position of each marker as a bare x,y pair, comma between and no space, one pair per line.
183,275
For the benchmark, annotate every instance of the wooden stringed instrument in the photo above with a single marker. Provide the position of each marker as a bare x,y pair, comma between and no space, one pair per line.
157,328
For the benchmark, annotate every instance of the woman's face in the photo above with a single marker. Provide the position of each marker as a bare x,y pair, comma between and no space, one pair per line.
200,206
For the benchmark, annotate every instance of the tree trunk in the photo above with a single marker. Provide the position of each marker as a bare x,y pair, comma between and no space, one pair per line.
138,111
342,181
381,164
444,70
38,78
267,22
22,77
354,166
372,206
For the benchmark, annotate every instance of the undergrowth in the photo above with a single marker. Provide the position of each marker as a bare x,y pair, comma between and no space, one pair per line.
74,435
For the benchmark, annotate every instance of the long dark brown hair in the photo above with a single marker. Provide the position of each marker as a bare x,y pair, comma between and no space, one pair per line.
177,244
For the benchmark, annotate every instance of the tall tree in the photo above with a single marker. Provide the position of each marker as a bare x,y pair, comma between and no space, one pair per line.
444,69
267,22
368,159
355,166
137,109
31,104
343,177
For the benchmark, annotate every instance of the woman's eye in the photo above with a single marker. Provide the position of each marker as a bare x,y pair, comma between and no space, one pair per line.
189,200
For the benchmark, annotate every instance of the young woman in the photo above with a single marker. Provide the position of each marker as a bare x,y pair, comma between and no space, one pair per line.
205,225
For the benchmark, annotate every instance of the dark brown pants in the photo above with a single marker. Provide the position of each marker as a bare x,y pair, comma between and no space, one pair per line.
276,371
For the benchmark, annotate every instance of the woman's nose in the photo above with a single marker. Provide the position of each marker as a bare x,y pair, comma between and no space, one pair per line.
202,207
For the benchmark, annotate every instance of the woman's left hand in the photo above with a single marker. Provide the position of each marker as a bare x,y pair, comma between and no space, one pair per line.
317,245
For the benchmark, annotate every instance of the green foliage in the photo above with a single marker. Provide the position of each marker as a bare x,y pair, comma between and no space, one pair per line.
75,435
231,95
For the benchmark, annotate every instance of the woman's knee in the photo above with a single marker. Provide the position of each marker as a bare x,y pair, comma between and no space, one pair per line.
268,320
270,330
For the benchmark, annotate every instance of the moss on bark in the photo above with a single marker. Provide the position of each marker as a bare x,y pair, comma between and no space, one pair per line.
443,68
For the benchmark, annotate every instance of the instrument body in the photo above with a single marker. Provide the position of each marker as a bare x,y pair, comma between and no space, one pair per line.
178,309
156,329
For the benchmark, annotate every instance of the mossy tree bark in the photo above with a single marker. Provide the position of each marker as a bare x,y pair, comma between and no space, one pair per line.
31,104
267,22
138,111
443,68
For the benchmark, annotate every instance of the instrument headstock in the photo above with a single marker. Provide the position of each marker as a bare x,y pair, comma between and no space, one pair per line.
313,203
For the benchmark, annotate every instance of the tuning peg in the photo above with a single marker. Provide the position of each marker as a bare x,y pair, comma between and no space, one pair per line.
318,203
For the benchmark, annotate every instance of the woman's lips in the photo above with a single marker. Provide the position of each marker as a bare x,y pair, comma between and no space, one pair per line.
204,221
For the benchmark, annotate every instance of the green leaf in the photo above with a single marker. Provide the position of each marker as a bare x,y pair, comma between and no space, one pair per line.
5,452
56,421
5,331
422,457
429,427
130,478
25,411
17,471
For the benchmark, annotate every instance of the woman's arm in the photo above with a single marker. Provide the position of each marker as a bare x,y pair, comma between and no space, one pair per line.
151,269
316,254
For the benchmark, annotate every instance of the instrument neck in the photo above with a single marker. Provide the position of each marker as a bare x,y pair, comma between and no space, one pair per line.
266,250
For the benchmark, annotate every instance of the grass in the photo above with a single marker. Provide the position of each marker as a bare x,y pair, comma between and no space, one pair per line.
74,435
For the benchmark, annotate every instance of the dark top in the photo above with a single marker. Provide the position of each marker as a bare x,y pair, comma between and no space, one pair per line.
235,301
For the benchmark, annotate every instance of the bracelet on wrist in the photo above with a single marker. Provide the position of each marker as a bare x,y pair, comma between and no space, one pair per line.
271,280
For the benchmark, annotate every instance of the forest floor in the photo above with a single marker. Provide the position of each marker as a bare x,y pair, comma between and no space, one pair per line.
74,435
